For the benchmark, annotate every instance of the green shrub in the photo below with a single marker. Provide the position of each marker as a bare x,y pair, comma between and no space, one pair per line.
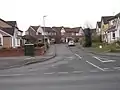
40,44
96,39
35,45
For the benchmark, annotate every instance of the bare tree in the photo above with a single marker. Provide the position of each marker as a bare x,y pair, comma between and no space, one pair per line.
87,31
87,25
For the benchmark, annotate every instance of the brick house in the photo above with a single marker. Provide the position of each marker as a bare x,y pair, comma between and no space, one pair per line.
64,34
71,33
57,34
49,33
39,33
10,35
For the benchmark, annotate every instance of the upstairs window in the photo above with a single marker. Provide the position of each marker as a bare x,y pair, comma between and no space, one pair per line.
62,33
113,34
73,34
39,33
0,42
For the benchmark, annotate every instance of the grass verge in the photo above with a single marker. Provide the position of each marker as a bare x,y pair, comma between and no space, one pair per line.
105,47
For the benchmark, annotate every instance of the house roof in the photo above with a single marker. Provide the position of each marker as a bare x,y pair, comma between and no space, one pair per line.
67,29
35,27
106,19
5,22
75,30
99,24
12,23
57,28
20,30
48,29
117,15
8,30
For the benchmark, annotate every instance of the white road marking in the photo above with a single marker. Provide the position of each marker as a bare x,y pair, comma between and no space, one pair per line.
95,65
33,69
108,61
50,73
97,58
105,61
62,72
116,67
69,57
77,71
94,71
78,56
7,75
105,68
37,69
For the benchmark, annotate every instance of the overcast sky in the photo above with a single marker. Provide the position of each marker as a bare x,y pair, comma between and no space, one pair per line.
70,13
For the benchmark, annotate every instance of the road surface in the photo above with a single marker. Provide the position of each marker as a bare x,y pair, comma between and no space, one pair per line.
71,69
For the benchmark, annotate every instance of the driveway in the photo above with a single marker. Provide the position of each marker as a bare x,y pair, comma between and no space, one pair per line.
71,69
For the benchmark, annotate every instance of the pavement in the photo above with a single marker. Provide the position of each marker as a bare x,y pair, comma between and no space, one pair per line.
71,69
90,50
11,62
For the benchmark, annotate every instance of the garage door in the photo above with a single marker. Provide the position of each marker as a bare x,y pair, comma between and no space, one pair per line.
7,42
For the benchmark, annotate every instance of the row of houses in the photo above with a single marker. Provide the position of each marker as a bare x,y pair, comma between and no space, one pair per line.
10,34
57,34
12,37
109,28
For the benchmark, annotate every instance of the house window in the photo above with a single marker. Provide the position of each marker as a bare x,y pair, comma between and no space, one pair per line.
73,34
39,33
113,34
18,41
49,33
0,42
63,33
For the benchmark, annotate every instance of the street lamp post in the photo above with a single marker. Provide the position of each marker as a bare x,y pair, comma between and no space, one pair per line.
44,31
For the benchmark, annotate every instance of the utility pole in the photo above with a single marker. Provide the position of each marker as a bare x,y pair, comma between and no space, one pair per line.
44,31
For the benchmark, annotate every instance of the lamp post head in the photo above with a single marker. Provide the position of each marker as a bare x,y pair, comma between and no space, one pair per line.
45,16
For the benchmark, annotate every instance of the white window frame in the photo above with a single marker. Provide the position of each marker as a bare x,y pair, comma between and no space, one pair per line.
73,34
113,35
18,41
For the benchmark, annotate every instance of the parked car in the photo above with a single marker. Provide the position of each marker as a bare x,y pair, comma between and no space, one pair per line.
71,43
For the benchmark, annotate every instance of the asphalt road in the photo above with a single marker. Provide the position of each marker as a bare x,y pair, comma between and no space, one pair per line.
71,69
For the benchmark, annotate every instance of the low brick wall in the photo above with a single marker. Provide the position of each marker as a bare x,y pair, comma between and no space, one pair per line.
11,52
19,52
39,51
